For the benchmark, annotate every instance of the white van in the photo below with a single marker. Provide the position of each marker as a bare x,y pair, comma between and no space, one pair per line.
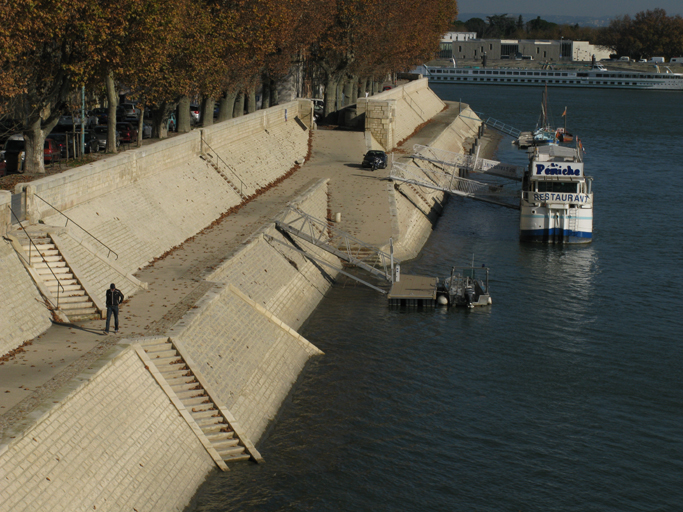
676,60
624,59
657,60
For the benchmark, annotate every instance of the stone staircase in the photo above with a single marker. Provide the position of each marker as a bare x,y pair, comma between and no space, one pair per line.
209,160
53,270
230,444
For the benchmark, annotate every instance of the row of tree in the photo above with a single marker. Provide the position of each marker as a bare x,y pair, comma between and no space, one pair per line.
502,26
647,34
168,51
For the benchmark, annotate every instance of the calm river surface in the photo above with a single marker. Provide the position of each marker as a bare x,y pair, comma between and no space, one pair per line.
565,394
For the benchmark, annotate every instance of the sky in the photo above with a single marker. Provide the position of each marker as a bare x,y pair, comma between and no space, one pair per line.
570,7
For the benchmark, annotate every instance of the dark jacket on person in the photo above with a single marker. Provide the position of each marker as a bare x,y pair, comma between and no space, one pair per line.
114,297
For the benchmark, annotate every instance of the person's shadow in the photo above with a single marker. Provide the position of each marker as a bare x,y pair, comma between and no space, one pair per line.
79,327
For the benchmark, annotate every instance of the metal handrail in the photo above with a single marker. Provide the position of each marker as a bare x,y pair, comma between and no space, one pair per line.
81,227
242,184
31,242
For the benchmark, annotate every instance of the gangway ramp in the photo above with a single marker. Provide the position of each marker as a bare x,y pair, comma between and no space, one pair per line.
451,183
335,241
470,163
501,127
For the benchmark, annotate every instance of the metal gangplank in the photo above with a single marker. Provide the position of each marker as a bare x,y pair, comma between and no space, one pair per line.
470,163
335,241
501,127
450,182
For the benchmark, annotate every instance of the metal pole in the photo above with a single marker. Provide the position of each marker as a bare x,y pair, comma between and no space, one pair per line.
391,252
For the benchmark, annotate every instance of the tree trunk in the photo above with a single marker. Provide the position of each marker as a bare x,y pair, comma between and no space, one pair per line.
207,111
354,90
141,121
239,105
251,100
330,96
184,115
227,106
340,93
113,101
34,139
348,91
265,102
274,98
160,120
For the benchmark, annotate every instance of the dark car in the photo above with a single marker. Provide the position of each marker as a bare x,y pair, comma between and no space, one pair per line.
102,134
102,114
128,132
92,142
61,140
375,160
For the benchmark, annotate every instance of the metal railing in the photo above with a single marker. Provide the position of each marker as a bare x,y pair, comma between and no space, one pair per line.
234,173
32,243
69,219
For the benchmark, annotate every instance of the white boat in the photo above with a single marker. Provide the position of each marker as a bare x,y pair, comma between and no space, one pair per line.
557,197
596,77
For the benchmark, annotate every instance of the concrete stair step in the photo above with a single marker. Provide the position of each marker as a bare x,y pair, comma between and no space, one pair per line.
179,374
180,380
54,270
218,437
201,407
236,458
196,401
195,393
163,354
163,361
179,388
49,258
68,299
69,285
231,452
170,368
209,413
211,421
159,347
225,444
81,304
53,264
73,292
82,313
215,428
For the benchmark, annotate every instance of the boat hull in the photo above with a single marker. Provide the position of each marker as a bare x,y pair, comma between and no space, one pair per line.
555,225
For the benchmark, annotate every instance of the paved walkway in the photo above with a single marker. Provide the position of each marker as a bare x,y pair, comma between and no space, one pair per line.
176,281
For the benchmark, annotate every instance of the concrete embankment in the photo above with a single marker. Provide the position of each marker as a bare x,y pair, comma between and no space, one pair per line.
119,433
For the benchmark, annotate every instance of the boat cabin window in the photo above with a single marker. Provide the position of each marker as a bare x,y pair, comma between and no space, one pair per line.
561,187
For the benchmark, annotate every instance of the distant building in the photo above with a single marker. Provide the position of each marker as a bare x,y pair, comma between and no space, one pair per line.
458,36
527,49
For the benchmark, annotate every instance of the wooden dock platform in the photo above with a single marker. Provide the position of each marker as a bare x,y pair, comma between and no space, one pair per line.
413,291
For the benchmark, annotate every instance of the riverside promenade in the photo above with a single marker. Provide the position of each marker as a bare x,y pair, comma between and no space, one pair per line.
175,281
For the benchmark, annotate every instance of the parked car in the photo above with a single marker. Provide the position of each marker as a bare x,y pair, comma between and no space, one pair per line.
51,150
102,114
14,152
129,133
194,113
91,142
386,88
146,130
102,134
375,159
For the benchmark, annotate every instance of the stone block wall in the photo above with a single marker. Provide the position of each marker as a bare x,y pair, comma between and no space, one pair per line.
393,115
23,314
249,358
112,442
283,281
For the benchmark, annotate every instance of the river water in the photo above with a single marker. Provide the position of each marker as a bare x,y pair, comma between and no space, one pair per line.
566,394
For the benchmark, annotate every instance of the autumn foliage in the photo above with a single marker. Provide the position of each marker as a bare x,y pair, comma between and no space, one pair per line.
225,51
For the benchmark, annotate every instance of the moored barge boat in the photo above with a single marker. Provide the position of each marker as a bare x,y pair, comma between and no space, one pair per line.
556,205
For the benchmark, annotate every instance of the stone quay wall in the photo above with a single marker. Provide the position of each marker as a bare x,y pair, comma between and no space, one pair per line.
145,201
114,439
415,210
393,115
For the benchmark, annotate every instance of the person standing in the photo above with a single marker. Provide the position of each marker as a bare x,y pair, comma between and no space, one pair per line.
114,298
